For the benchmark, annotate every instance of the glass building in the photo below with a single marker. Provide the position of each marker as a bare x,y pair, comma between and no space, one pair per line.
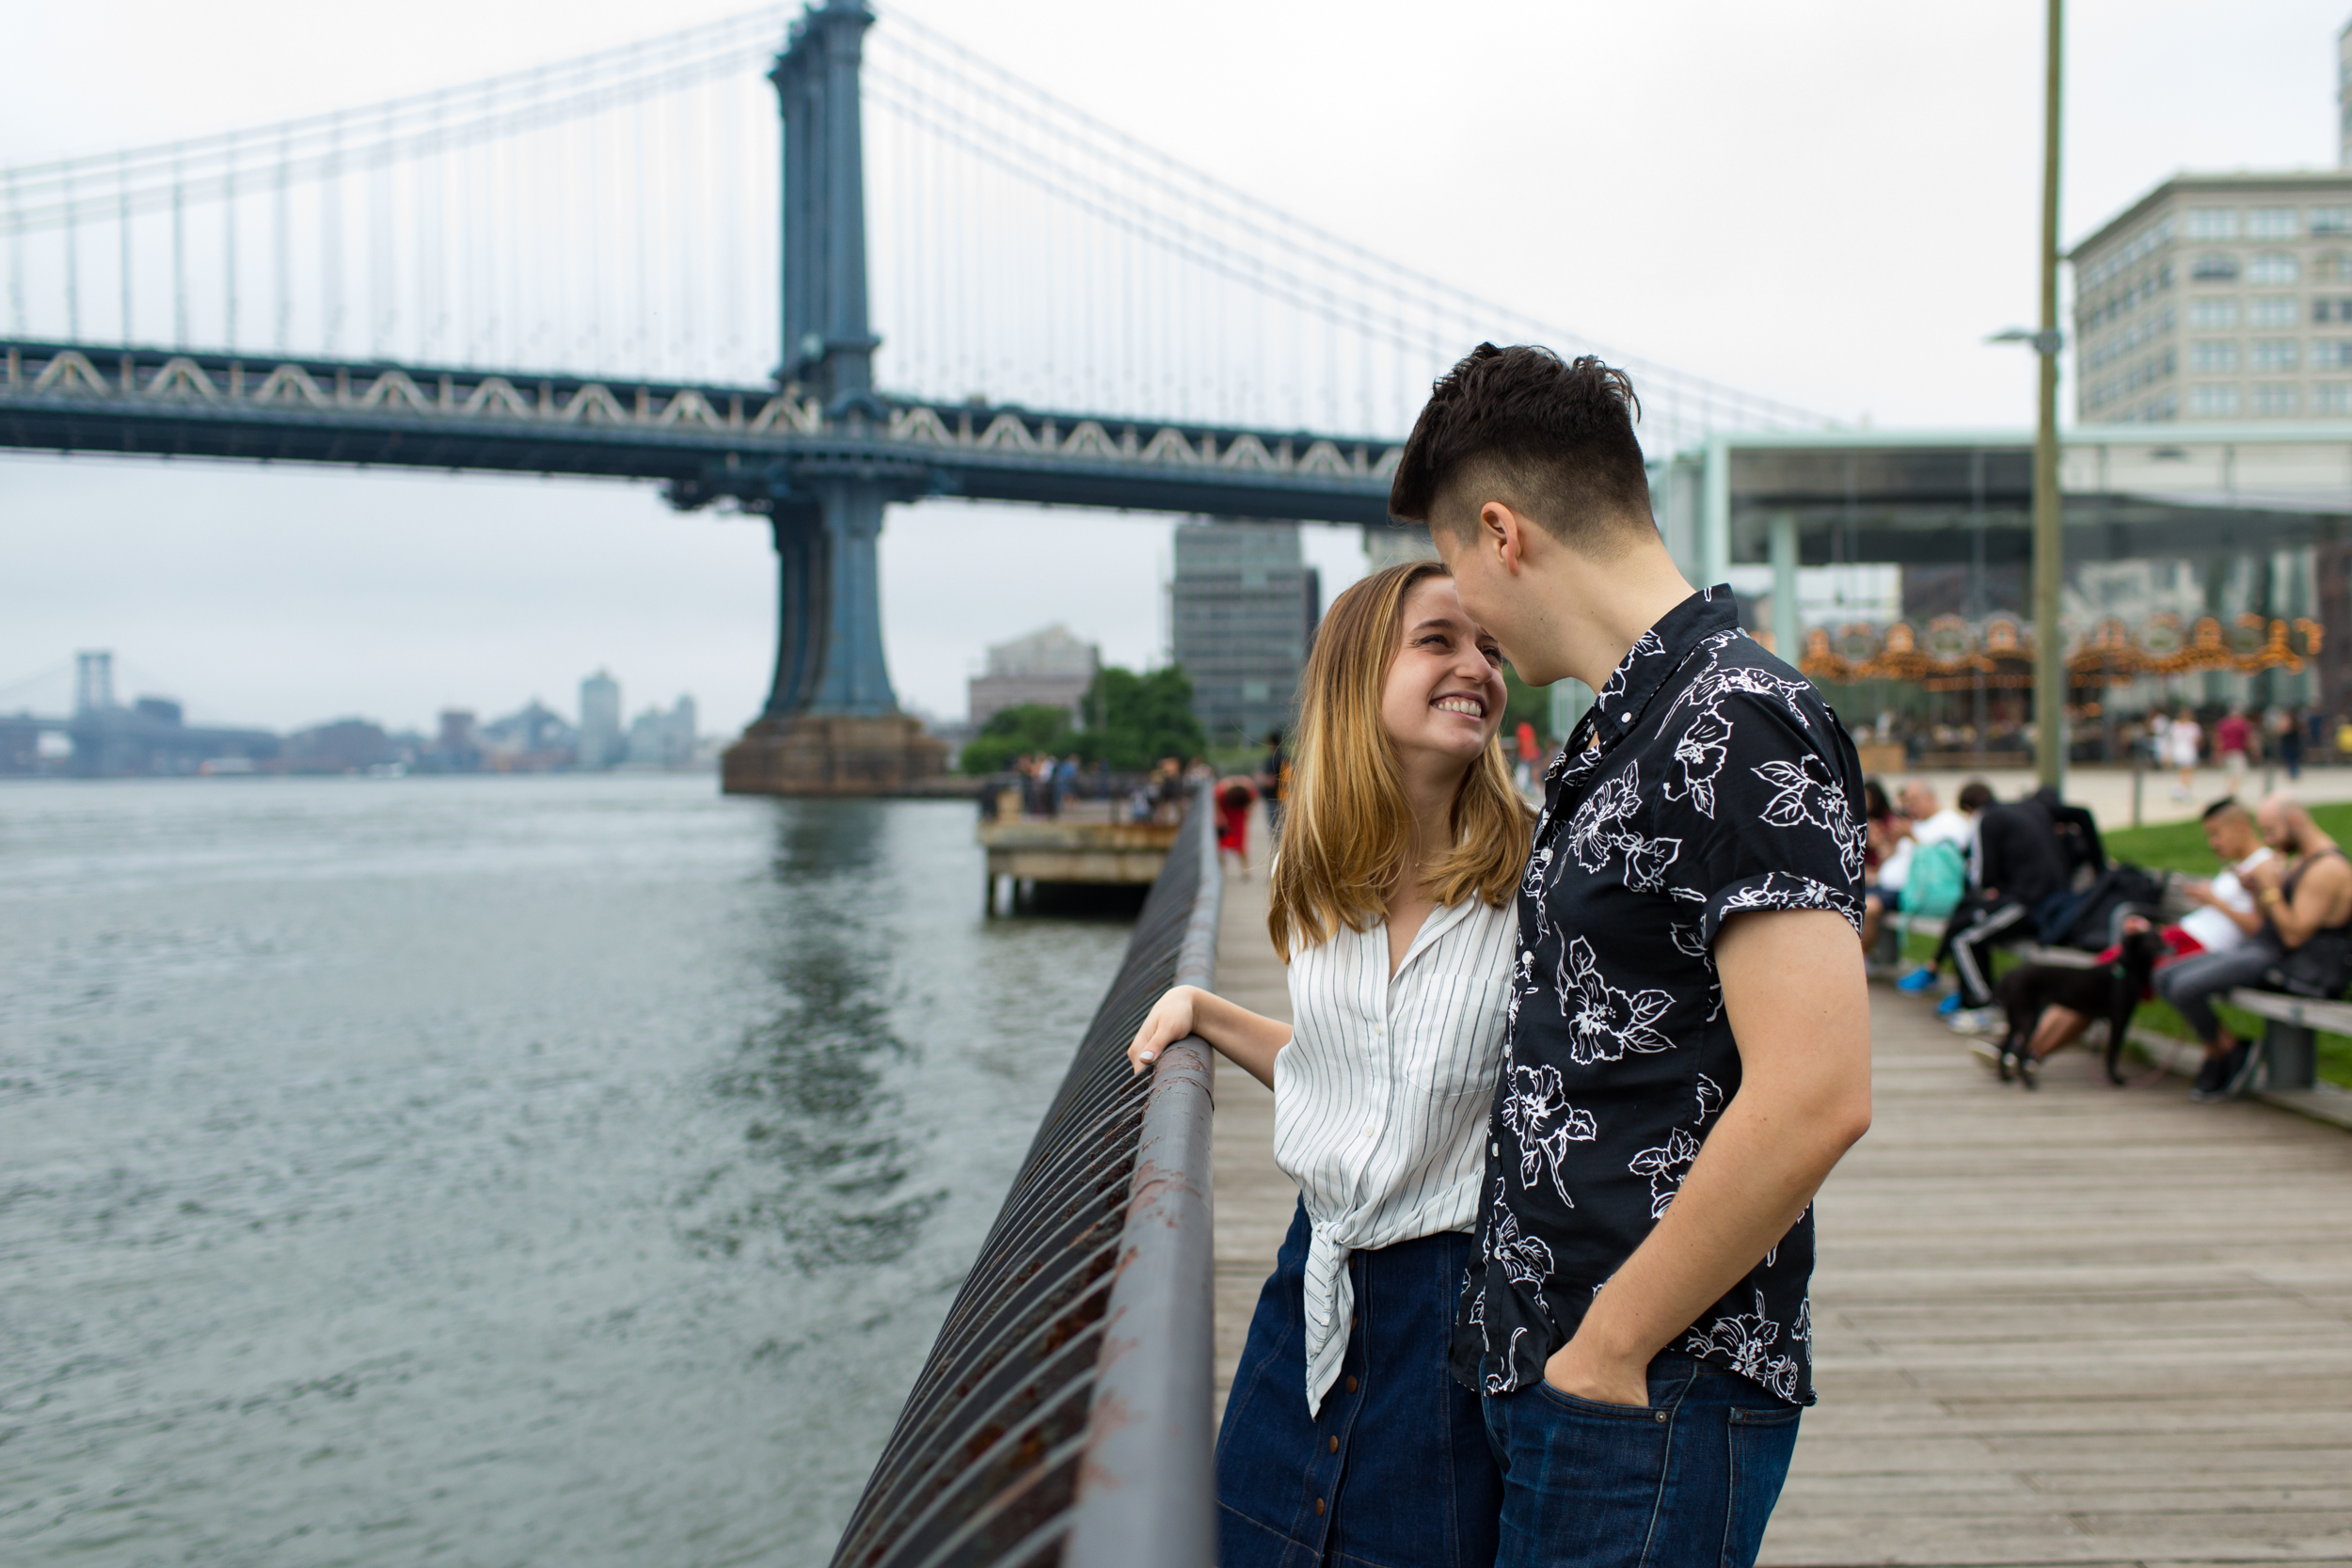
1242,610
2206,564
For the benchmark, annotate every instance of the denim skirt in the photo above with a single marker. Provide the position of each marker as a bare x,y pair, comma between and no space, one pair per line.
1395,1470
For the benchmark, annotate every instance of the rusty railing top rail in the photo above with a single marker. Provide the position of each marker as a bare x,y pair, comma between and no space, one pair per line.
1062,1415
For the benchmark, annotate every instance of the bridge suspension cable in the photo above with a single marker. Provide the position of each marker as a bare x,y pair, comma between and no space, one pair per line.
475,224
616,214
1293,323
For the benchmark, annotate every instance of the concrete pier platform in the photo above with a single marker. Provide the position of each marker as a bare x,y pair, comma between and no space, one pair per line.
2085,1325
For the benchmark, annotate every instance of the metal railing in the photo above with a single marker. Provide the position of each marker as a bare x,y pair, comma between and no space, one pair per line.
1062,1416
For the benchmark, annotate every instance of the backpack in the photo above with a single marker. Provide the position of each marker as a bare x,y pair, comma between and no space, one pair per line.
1938,877
2077,834
2321,968
2093,919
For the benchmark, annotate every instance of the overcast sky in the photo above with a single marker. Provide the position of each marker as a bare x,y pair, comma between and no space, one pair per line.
1830,203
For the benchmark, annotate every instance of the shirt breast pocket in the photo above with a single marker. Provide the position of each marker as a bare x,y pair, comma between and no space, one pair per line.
1450,1059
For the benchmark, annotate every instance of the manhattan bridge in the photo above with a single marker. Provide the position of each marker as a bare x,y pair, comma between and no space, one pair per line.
614,266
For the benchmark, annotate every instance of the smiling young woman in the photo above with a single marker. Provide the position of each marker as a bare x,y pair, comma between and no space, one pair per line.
1374,734
1345,1437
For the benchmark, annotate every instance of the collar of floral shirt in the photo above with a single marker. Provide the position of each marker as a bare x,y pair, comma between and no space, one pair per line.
1654,658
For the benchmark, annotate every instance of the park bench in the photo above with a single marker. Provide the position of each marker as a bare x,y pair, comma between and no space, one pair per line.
2289,1022
2288,1051
1897,926
1901,926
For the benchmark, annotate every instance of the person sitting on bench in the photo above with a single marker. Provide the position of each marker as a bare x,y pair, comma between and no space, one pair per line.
2226,918
2306,906
2014,866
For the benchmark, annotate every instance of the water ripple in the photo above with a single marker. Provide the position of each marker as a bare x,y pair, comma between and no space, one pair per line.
503,1171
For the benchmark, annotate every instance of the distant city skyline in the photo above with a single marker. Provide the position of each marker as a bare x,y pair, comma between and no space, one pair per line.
103,732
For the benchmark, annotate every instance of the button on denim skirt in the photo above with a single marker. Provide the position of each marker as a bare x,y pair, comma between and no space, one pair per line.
1395,1471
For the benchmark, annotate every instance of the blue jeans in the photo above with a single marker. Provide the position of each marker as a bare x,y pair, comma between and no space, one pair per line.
2190,984
1687,1482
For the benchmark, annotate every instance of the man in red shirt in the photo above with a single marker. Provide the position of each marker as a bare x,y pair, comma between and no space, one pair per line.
2233,738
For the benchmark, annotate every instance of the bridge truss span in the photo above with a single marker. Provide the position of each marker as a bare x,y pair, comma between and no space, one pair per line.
746,444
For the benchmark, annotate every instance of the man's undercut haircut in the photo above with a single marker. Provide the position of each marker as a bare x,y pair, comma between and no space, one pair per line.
1551,440
2227,803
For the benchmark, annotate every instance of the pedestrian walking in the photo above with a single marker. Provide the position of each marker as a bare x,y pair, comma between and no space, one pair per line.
1344,1439
2183,738
1274,784
2234,746
1689,1047
1234,797
1525,774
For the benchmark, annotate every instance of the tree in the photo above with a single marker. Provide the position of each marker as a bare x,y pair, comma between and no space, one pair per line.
1012,731
1138,720
1132,723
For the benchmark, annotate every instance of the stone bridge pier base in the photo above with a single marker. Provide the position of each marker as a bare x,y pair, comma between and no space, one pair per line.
831,725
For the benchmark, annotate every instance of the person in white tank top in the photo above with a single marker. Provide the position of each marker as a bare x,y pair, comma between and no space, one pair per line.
1391,897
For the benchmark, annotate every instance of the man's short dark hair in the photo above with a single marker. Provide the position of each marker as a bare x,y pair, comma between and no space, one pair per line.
2227,803
1975,795
1552,440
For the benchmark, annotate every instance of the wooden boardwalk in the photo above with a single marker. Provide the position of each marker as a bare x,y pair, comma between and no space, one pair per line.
2082,1326
1253,1200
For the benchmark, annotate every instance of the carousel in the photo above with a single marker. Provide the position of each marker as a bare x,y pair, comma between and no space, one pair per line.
1979,678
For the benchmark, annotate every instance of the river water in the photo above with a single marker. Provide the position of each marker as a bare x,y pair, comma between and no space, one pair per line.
490,1171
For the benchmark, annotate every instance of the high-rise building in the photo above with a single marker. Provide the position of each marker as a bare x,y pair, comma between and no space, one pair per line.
2223,296
659,739
1048,667
455,749
1242,610
2343,96
602,744
2219,296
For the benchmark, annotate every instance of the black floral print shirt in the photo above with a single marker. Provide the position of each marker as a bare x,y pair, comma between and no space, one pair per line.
1710,778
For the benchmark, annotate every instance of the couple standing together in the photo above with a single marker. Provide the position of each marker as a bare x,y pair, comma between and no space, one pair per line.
1559,1093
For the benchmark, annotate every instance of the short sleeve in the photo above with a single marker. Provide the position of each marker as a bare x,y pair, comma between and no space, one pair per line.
1785,831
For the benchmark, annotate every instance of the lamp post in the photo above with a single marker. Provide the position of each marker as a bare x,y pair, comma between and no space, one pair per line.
2049,538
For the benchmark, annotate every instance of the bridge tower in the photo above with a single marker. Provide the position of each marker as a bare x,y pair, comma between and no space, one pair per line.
832,724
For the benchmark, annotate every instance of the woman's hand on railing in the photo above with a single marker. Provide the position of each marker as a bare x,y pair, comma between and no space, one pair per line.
1249,1041
1169,1021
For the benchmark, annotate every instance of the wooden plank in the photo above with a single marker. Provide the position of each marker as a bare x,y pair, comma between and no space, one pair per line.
1253,1199
2077,1325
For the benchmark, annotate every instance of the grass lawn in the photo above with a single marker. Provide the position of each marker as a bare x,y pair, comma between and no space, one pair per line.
2181,846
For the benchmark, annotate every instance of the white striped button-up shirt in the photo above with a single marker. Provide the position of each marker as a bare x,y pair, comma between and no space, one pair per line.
1380,1098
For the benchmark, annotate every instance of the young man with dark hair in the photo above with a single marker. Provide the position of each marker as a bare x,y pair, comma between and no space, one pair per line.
1689,1045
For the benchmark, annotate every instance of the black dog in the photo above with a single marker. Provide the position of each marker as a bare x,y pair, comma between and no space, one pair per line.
2106,990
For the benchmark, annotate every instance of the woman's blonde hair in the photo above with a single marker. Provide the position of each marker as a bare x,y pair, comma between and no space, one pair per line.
1347,831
